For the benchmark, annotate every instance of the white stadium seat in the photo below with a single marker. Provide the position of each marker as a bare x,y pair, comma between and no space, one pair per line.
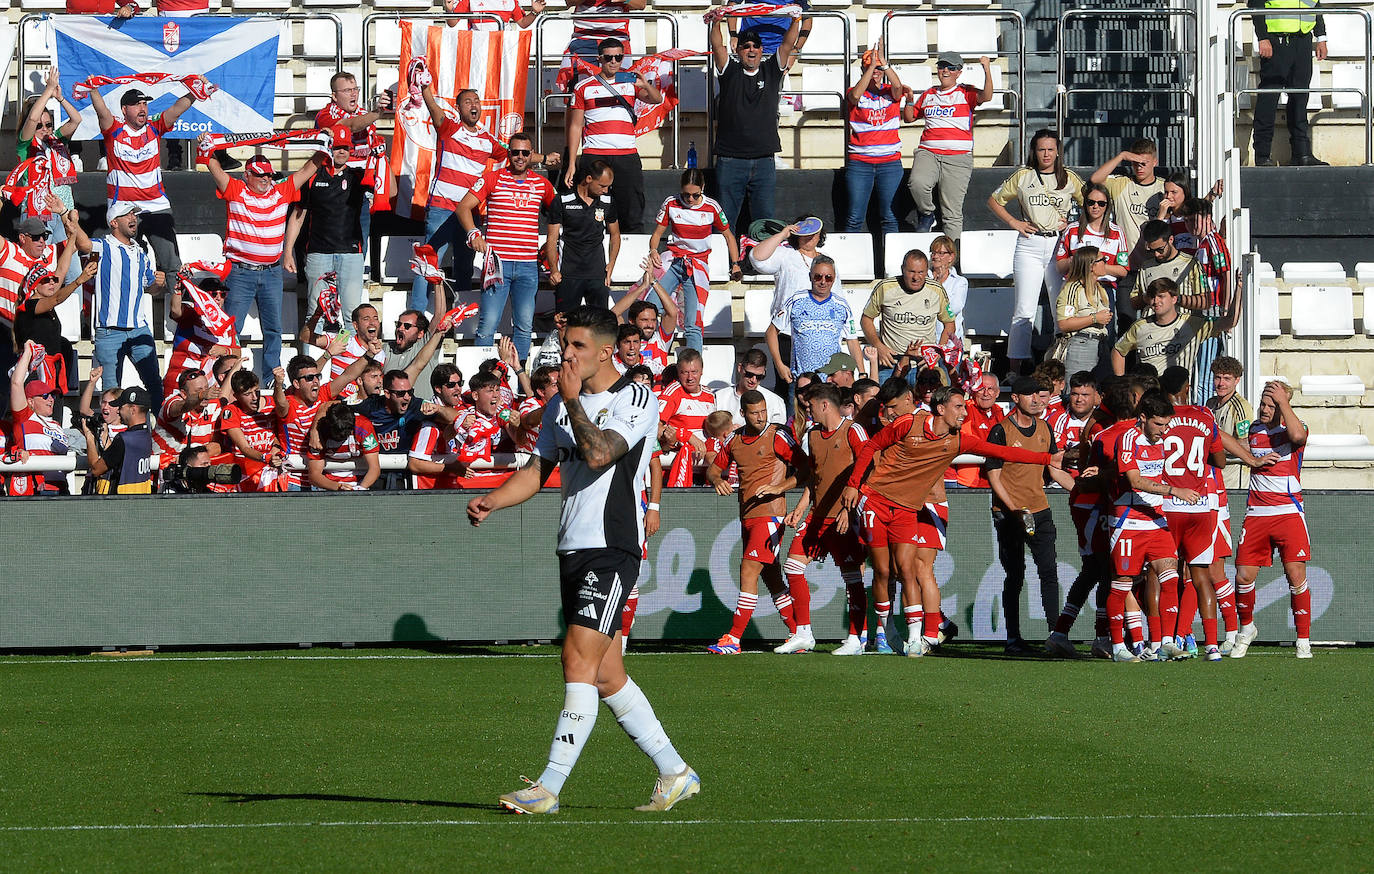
69,314
897,245
633,249
907,34
396,255
853,254
470,358
969,35
1364,272
1339,384
394,302
1347,76
988,311
200,247
758,311
718,319
987,254
718,366
826,78
1323,311
1313,271
1267,310
828,39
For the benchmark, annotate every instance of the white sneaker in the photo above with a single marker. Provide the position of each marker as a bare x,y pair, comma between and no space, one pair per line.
1121,654
799,642
1102,648
1058,645
851,646
1226,646
1244,638
917,647
670,789
1171,649
1304,649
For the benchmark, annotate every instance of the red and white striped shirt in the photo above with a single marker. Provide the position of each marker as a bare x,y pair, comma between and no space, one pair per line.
601,28
506,10
948,119
690,227
1135,509
257,222
14,266
430,445
513,205
1111,244
654,351
363,441
679,409
40,436
297,418
259,428
531,437
463,158
1275,490
339,363
192,428
364,141
608,128
135,166
476,434
874,122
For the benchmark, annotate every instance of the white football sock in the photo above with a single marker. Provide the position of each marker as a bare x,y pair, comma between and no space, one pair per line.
634,713
570,735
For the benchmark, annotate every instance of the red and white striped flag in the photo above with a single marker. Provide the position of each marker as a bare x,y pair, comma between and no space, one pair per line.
495,63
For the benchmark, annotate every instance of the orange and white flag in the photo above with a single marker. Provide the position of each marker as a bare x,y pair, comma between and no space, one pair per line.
494,63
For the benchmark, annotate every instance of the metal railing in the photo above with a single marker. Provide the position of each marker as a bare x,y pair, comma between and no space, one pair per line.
369,34
711,73
1364,14
1018,23
1063,93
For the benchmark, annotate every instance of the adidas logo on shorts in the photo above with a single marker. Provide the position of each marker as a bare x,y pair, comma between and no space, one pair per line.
589,611
1302,553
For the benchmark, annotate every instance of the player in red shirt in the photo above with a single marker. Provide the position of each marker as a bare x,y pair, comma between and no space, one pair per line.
764,453
1274,517
1140,534
343,436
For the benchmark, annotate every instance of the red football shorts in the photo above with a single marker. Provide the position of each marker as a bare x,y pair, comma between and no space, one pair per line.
931,522
1261,535
1195,536
1222,548
1132,548
762,537
885,523
1092,525
817,538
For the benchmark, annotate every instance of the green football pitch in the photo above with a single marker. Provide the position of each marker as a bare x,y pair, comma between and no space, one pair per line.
389,760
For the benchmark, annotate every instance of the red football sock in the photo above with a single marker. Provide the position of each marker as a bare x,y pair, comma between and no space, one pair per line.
1245,602
1168,612
1301,598
786,608
932,625
627,616
1209,631
1116,611
795,570
1226,604
744,611
1187,610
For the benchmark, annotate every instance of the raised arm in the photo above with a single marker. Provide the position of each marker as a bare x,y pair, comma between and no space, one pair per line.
720,49
50,90
173,112
787,50
104,119
212,163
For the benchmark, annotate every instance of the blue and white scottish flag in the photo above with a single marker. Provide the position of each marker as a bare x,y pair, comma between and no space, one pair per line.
238,55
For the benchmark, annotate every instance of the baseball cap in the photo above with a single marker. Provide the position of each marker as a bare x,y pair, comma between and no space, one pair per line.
1025,385
953,59
132,96
342,136
134,394
258,166
32,226
750,35
121,209
37,388
839,361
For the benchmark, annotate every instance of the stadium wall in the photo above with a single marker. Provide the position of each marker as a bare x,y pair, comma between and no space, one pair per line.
406,567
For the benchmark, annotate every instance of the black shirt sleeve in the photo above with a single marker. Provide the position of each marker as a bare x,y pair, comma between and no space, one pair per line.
997,435
611,215
113,456
555,211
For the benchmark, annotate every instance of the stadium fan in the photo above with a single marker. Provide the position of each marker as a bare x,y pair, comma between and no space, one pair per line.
1096,228
689,218
342,436
41,137
655,332
248,430
819,321
1167,336
601,125
824,529
124,467
396,419
873,154
188,417
893,495
1021,515
943,252
363,338
1274,517
1053,378
1135,200
1045,192
1233,412
200,330
750,371
764,453
786,254
981,416
629,349
944,158
133,159
905,310
508,11
513,198
581,219
601,531
17,258
405,351
369,148
1158,257
746,136
36,319
1083,311
297,408
772,29
524,429
682,408
34,430
434,454
254,241
333,202
1214,259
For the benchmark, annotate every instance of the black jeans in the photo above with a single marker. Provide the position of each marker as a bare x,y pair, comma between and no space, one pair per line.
627,190
1012,540
1289,67
573,290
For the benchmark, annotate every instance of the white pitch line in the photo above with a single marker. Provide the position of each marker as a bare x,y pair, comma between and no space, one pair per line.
540,820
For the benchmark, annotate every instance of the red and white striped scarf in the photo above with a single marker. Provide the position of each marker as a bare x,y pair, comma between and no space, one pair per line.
212,316
199,86
310,140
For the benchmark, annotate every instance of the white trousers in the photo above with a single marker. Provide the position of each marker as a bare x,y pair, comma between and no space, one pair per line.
1032,268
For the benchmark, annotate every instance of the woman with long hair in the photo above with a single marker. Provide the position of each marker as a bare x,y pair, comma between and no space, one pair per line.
1084,311
1095,227
1045,190
39,136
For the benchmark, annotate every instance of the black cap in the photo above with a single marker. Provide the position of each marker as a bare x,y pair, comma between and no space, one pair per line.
750,35
136,395
1025,385
132,96
32,226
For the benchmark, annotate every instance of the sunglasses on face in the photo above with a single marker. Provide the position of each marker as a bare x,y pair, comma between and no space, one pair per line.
458,384
309,377
1097,203
1104,259
522,152
1153,251
42,236
401,392
822,277
46,125
616,58
750,374
406,326
261,175
946,67
689,195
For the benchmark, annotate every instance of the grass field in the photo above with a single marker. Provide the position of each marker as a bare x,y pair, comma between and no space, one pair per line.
387,760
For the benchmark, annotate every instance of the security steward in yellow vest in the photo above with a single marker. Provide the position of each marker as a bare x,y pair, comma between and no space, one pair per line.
1286,39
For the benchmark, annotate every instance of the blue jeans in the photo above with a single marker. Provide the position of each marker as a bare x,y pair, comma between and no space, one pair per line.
676,275
520,282
865,180
113,345
755,178
264,286
349,268
445,234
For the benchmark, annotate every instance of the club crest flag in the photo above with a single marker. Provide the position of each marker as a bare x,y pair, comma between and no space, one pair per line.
238,55
494,63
